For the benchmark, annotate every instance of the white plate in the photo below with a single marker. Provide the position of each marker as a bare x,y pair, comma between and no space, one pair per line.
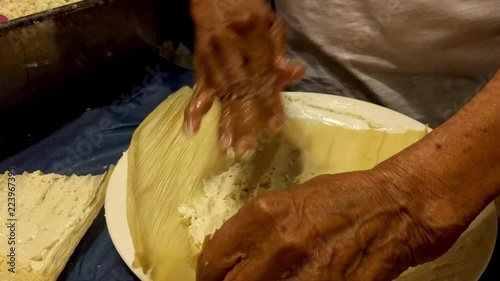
480,236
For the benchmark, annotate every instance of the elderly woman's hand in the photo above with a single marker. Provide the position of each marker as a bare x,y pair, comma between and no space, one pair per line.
368,225
360,226
239,59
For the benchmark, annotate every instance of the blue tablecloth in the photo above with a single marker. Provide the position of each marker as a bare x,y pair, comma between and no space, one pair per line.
88,145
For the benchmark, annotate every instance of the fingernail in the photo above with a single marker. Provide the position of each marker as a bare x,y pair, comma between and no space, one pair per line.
224,141
3,18
247,155
282,62
230,153
298,72
242,145
188,130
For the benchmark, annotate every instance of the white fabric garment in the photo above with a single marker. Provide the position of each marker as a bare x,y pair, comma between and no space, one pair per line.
424,58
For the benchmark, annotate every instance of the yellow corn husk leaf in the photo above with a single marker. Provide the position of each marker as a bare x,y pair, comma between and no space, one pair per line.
167,170
329,149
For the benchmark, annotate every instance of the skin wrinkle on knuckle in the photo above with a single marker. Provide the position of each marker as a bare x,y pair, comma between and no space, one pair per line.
264,136
265,203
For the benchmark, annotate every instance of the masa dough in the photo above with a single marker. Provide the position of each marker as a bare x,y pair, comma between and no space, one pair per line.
306,149
14,9
48,214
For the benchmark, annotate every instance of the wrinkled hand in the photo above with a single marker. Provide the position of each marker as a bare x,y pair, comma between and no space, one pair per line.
358,226
239,59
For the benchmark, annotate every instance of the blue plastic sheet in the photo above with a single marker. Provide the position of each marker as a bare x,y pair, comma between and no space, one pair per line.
88,145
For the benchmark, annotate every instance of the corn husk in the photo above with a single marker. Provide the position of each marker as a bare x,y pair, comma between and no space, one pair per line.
328,149
167,170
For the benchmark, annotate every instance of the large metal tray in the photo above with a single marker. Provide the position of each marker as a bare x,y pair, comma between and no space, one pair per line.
56,64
